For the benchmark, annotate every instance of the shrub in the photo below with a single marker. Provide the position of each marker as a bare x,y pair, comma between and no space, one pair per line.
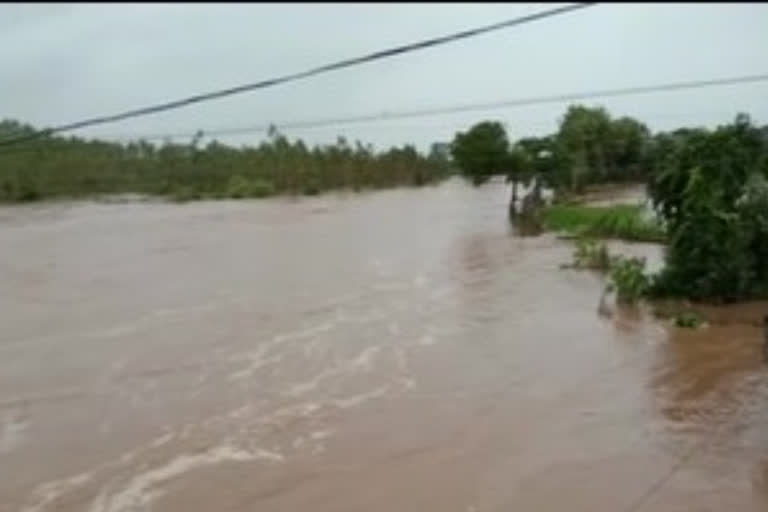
688,319
590,254
711,191
628,278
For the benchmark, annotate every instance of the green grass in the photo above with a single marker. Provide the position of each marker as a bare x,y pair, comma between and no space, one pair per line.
624,222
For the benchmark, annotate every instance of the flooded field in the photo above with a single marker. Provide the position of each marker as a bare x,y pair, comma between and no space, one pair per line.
393,351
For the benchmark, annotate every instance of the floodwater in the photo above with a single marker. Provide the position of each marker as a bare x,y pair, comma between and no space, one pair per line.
390,351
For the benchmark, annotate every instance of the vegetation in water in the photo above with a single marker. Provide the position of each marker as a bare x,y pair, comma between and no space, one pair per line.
709,188
590,254
627,277
74,167
689,319
627,222
589,147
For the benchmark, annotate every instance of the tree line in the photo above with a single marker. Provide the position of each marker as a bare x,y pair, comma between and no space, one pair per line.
589,147
57,166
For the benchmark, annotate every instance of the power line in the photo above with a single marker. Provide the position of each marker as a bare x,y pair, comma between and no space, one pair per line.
538,100
427,43
171,137
438,111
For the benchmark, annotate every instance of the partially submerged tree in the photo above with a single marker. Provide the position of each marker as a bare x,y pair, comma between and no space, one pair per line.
481,152
519,170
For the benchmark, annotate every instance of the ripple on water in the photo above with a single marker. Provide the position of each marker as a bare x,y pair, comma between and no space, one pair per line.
139,492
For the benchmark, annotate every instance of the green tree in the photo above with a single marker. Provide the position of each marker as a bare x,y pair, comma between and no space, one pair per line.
582,142
56,166
591,147
626,149
711,193
482,151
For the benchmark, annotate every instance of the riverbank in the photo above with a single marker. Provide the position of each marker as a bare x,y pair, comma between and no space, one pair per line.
608,213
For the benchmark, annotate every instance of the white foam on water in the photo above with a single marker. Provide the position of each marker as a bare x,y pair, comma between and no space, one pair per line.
355,400
116,331
319,435
241,412
255,365
301,388
49,492
314,439
164,439
138,494
258,358
300,410
302,333
364,360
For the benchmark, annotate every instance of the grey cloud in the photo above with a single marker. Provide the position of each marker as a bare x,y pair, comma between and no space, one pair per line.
65,62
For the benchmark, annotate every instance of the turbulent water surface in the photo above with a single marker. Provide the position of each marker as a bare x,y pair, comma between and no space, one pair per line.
393,351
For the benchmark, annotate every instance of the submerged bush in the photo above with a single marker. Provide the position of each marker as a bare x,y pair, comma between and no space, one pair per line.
688,319
590,254
628,279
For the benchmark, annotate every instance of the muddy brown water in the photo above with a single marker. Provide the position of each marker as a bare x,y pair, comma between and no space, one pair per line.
399,350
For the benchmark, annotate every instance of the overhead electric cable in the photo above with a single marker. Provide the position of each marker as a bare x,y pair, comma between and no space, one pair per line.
427,43
510,103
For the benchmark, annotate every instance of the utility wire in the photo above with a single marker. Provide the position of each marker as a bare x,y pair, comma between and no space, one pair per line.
626,91
427,43
538,100
189,136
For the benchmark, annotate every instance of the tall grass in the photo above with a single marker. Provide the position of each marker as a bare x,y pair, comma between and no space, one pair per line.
625,222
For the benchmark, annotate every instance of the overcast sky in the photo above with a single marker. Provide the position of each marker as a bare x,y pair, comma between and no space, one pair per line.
64,62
